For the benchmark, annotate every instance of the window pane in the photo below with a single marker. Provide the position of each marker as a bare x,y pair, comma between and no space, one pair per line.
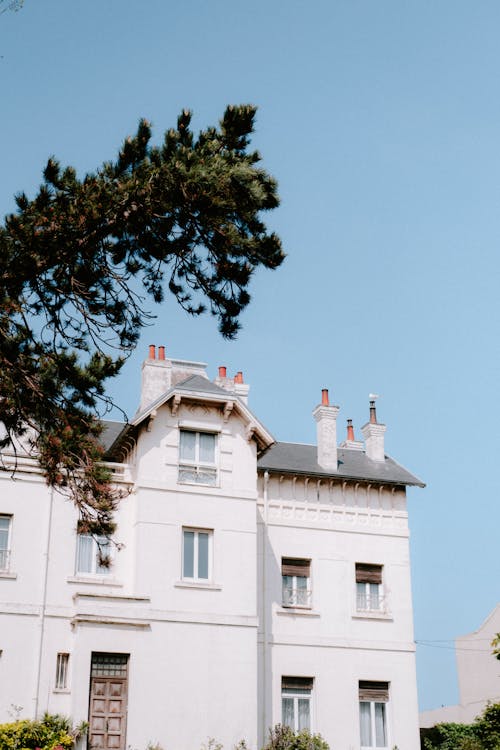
207,448
85,553
374,596
188,446
287,712
102,550
365,724
380,729
304,713
188,560
287,590
202,555
206,476
361,595
302,582
4,532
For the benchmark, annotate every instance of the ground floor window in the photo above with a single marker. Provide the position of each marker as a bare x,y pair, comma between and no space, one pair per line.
373,700
296,695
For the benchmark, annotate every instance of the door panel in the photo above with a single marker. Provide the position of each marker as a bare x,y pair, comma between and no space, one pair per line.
108,701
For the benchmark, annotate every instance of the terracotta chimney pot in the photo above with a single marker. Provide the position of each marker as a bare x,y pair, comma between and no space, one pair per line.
152,351
238,378
161,352
222,371
324,397
350,430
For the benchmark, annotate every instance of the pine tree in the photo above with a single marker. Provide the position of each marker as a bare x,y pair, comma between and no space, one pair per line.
79,261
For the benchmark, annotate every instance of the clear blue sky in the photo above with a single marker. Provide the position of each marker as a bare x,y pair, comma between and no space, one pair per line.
381,122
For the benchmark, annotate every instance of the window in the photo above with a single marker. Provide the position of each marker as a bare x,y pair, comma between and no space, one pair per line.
373,698
296,578
197,457
197,554
296,702
62,671
92,554
5,524
369,594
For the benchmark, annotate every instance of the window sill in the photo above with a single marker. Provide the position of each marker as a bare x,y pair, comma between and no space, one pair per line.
95,580
197,585
372,615
7,575
184,482
300,611
62,691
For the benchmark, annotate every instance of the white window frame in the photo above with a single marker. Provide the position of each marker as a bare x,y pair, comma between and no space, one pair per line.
96,569
196,551
5,551
293,596
372,703
367,593
200,472
295,695
62,671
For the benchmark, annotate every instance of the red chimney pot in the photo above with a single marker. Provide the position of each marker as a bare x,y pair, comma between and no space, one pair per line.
152,351
373,413
222,371
324,397
238,378
350,430
161,352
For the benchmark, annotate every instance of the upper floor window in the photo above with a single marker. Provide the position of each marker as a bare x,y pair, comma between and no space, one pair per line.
93,554
296,582
197,457
5,524
296,693
369,592
373,698
197,555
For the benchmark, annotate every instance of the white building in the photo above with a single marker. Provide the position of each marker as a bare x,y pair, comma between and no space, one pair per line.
255,583
478,675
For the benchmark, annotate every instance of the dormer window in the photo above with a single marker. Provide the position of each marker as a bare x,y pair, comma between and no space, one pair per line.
197,457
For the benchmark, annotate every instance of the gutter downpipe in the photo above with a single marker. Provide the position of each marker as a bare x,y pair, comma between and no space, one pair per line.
264,612
44,604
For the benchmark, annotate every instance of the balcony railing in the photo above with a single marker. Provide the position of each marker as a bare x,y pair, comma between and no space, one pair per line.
296,597
370,603
198,475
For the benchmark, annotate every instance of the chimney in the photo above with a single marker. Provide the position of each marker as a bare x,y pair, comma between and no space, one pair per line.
326,426
234,385
350,441
159,374
373,433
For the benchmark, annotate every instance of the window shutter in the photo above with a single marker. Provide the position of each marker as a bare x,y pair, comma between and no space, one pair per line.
374,691
292,567
297,683
367,573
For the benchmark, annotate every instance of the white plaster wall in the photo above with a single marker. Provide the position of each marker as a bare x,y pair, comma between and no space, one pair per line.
335,527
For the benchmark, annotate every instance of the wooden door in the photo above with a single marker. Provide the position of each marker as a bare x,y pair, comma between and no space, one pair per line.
108,701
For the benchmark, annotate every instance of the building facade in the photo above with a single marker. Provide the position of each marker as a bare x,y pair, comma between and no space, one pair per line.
478,676
254,582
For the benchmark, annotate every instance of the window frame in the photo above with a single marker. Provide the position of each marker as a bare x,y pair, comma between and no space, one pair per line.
196,553
374,700
62,671
200,470
5,552
96,568
300,692
368,591
294,566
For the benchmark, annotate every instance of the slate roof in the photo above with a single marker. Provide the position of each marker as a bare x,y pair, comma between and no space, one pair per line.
298,458
193,383
111,432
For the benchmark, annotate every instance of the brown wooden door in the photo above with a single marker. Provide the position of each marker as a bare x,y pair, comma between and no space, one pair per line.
108,701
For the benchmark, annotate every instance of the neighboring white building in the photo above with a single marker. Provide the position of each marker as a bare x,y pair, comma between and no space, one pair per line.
256,582
478,675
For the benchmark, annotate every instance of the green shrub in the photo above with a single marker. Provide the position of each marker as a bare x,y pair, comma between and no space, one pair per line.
47,734
283,738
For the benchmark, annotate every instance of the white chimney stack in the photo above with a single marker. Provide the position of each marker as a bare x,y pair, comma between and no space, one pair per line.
373,433
326,426
159,374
